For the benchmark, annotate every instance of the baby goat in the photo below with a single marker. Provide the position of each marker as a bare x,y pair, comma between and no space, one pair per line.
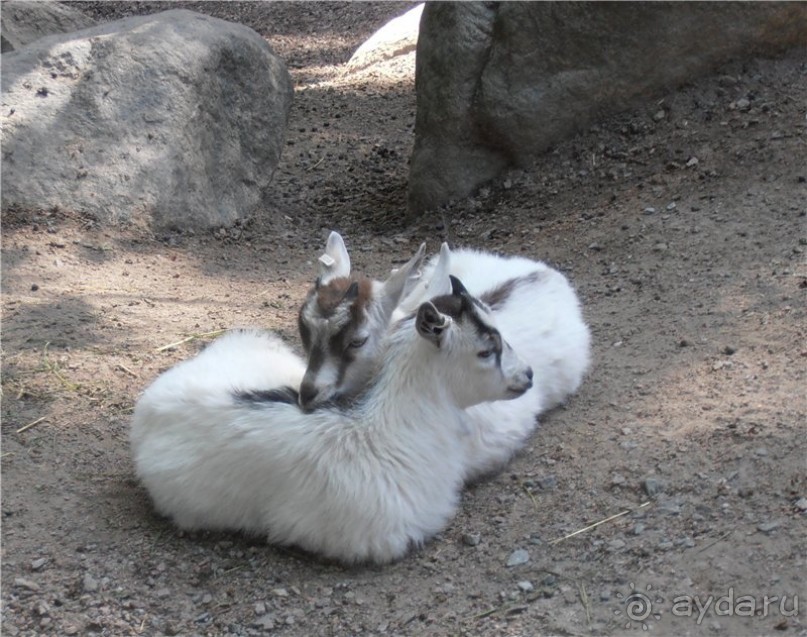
342,324
359,483
535,308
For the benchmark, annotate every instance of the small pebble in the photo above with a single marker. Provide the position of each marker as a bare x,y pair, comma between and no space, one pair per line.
525,586
617,480
267,622
260,608
692,162
547,482
89,583
471,539
38,563
280,592
660,115
518,557
616,545
767,527
801,504
34,287
26,583
652,486
650,210
638,529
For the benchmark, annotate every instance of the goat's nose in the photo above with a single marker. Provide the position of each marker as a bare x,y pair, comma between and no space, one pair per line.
308,392
529,373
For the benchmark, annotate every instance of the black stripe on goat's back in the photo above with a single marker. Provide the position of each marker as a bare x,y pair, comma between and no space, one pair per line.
255,397
498,296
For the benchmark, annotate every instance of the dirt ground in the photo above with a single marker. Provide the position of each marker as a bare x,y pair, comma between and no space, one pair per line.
683,225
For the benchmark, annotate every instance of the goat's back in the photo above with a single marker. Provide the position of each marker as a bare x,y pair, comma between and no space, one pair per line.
217,450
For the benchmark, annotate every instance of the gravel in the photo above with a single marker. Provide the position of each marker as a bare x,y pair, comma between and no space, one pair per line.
518,557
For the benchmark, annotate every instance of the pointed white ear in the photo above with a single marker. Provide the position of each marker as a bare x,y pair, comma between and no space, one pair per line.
335,262
440,283
430,285
398,282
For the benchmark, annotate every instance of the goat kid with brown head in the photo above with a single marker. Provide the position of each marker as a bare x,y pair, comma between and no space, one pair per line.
343,322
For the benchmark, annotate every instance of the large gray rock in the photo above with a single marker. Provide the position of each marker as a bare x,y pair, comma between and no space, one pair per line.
173,120
498,83
23,22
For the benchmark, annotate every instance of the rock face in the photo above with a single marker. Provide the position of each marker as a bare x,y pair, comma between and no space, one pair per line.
174,120
397,37
24,22
498,83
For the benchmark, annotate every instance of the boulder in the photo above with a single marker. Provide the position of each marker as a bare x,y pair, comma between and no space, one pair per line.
173,120
397,37
24,22
498,83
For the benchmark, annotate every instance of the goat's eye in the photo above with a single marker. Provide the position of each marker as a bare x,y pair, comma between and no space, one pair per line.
358,342
486,354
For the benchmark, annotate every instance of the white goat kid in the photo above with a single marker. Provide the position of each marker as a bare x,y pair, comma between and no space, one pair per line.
362,483
535,308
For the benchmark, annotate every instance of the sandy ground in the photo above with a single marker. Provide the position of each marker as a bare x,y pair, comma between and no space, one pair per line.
683,225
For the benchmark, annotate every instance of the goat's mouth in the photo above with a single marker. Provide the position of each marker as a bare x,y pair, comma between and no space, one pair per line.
514,391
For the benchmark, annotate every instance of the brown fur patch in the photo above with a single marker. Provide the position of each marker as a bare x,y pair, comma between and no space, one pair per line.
330,296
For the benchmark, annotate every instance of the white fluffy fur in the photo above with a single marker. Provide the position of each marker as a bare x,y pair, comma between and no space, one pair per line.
361,484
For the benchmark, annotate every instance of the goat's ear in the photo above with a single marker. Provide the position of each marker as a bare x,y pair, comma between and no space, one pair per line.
335,262
431,324
440,283
422,288
401,280
457,288
414,271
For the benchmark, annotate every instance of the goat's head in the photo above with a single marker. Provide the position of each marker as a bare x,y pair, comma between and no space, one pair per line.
342,324
480,365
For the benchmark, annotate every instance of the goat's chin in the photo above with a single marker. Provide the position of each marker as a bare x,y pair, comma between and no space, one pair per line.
516,392
326,401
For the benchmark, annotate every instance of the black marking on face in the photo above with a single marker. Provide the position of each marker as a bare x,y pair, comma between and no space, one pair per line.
255,397
340,350
463,307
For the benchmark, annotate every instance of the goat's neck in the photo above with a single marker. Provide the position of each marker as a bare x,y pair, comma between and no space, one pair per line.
408,390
